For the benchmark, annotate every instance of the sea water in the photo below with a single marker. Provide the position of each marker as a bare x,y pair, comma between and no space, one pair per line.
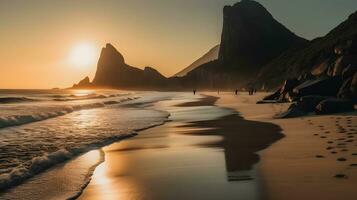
40,129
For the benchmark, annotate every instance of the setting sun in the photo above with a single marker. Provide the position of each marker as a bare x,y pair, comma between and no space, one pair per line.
83,55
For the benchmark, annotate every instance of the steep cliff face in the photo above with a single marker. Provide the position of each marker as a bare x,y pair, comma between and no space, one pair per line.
113,72
250,39
325,56
111,65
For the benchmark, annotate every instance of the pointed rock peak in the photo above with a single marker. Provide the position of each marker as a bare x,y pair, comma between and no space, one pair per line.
251,35
152,71
84,82
248,8
110,46
147,68
111,53
86,79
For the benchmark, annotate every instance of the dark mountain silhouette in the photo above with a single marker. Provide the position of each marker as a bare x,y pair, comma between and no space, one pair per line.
211,55
113,72
254,49
250,39
317,57
84,83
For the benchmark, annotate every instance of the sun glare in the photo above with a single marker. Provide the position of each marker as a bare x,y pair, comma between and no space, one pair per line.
83,55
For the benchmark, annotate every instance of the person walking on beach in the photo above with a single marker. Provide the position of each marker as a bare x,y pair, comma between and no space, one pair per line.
194,92
236,92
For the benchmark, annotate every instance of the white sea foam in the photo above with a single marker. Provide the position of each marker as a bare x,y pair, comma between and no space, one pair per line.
55,111
74,129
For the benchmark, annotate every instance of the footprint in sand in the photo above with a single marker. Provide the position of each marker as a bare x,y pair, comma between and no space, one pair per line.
354,154
329,142
353,165
333,152
340,176
323,137
320,156
341,159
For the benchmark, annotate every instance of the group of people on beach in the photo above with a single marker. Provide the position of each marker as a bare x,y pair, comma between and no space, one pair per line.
251,91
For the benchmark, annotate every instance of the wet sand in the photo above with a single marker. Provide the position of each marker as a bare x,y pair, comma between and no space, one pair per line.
316,159
204,152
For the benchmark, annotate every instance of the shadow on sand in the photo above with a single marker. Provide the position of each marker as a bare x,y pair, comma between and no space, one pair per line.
242,139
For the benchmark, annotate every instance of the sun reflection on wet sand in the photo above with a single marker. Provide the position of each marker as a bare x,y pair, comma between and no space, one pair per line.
169,162
109,188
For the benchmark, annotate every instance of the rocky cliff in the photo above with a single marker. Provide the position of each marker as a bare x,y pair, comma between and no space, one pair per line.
113,72
250,39
255,49
327,55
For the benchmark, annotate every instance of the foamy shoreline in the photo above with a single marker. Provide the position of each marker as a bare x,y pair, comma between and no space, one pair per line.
34,173
289,168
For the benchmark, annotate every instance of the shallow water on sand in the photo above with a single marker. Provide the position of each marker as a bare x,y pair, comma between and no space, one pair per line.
170,162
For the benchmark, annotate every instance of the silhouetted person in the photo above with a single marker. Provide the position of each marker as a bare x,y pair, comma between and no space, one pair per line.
236,92
251,91
194,92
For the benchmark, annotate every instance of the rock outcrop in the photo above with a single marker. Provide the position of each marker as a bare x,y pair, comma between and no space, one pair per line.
326,69
326,56
84,83
250,39
255,49
211,55
113,72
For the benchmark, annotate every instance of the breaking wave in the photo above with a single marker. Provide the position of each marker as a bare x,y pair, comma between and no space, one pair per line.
41,163
60,146
15,120
4,100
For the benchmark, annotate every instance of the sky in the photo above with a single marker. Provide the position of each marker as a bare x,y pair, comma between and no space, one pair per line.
39,38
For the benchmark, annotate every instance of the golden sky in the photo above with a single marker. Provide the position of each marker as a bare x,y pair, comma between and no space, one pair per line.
38,37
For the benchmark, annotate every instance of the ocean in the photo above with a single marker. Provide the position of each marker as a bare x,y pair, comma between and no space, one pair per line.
42,128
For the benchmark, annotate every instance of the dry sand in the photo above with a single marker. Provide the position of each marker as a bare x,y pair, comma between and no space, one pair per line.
303,164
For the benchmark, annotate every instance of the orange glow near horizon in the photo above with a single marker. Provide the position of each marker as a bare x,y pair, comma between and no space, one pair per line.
82,56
